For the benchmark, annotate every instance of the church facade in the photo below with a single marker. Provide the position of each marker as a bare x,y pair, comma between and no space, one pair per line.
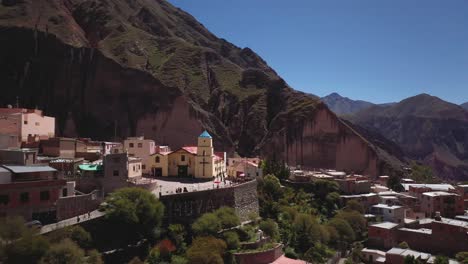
200,162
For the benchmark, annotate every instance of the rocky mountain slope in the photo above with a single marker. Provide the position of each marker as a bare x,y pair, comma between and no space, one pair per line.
427,129
465,105
145,67
343,105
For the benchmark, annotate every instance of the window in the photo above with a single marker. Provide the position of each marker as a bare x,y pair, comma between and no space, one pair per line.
390,211
24,197
4,199
143,167
64,192
140,145
157,159
134,169
115,173
182,158
25,122
44,195
130,145
37,124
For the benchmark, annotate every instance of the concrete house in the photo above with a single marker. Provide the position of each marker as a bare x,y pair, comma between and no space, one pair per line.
28,124
141,148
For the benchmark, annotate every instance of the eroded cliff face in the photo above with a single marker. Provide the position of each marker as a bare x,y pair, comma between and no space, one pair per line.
147,68
324,141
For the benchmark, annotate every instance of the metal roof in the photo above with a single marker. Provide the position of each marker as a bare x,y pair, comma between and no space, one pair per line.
90,167
28,169
205,134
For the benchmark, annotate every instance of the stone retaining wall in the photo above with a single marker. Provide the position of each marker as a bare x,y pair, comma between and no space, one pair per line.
186,207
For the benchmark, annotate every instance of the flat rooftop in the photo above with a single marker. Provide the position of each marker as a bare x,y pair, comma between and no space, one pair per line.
435,187
386,206
28,169
409,252
419,230
385,225
439,193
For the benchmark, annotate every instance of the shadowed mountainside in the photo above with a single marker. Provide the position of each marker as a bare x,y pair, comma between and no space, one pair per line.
145,67
427,129
465,106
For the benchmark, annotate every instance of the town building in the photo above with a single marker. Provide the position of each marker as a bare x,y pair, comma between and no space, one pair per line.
373,256
9,141
30,191
119,168
141,148
390,213
382,235
18,156
365,199
354,184
28,125
398,255
60,147
244,168
447,204
439,235
199,161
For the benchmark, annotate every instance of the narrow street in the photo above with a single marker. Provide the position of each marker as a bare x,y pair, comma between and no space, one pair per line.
71,221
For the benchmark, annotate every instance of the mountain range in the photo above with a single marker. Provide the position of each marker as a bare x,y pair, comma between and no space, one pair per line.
426,128
118,68
343,105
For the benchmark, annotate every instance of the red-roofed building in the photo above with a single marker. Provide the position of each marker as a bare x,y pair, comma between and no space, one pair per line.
244,168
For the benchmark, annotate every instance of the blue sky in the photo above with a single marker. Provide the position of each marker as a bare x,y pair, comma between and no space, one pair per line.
375,50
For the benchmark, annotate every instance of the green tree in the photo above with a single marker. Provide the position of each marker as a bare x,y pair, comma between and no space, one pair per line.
344,231
135,212
30,248
422,174
232,239
354,205
270,228
319,253
356,220
206,250
271,187
331,201
207,224
19,244
94,257
227,217
394,183
176,233
65,252
76,233
178,260
462,257
307,231
441,260
403,245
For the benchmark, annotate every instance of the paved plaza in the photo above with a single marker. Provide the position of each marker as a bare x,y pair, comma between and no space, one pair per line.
170,186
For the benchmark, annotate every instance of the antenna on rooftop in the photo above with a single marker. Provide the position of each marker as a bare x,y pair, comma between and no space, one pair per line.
17,101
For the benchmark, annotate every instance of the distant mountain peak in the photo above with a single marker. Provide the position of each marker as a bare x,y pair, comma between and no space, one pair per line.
343,105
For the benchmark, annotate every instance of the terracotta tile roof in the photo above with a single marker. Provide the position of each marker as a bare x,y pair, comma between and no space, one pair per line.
190,149
219,155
